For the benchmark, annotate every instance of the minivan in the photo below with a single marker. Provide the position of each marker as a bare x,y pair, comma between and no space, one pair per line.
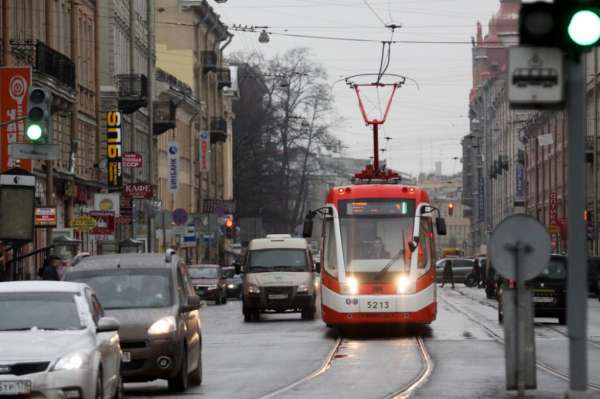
278,276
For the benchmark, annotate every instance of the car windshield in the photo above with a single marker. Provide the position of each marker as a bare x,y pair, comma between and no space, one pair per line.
278,259
228,273
128,288
39,310
204,272
556,269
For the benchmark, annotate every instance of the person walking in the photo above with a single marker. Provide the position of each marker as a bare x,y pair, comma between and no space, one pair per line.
448,274
50,269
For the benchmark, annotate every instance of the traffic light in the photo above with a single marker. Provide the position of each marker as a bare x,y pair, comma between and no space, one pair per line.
572,25
38,126
229,226
450,208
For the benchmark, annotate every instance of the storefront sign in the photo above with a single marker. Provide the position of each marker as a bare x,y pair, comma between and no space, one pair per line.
113,148
520,185
132,160
84,223
105,222
552,210
107,202
173,166
45,217
138,190
14,86
204,142
481,200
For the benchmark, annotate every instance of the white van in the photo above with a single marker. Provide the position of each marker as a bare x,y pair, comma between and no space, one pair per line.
279,276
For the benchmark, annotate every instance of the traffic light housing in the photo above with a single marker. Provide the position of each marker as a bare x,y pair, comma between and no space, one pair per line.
38,125
571,25
450,208
229,226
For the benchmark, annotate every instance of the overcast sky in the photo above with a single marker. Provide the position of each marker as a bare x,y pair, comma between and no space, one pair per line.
425,124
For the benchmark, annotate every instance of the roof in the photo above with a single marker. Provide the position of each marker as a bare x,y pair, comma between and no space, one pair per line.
278,243
129,261
203,265
40,286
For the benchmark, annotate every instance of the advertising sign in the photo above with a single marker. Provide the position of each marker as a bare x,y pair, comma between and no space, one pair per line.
14,86
204,142
105,222
552,203
113,150
107,202
132,160
138,190
520,185
173,166
481,199
84,223
17,207
45,217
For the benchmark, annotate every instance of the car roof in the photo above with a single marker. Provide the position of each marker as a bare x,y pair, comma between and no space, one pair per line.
123,261
41,286
278,243
207,265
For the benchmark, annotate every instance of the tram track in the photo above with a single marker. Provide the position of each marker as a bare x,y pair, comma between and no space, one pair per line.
540,365
403,392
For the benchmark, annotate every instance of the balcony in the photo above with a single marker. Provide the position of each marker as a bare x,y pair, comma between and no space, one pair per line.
44,60
164,116
173,82
133,92
209,61
223,78
218,130
589,149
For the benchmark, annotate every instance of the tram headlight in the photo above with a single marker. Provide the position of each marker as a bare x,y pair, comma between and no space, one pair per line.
350,286
403,285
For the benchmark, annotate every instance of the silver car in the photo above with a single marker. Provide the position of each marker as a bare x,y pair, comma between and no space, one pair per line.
56,342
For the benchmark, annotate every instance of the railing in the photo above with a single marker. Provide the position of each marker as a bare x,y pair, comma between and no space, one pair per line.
218,130
223,77
208,60
133,92
172,81
164,116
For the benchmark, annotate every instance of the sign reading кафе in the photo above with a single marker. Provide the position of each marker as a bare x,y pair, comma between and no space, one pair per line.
113,150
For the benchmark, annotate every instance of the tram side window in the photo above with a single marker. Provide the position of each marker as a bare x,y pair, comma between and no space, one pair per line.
330,255
425,249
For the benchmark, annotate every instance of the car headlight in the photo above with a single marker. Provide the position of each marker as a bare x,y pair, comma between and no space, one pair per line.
253,289
350,286
163,326
72,361
230,286
404,285
302,288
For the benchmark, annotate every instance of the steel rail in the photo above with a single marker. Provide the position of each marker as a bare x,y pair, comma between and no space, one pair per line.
421,379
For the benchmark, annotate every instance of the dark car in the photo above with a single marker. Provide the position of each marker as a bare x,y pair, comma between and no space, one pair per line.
234,282
594,275
152,297
549,291
461,267
209,282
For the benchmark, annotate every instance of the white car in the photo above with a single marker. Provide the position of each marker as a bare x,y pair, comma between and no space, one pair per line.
56,343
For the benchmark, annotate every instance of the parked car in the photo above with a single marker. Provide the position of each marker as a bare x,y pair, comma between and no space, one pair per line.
209,282
549,291
233,281
56,342
594,275
461,267
152,297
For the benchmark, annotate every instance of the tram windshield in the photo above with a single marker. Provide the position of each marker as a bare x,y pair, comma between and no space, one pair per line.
374,232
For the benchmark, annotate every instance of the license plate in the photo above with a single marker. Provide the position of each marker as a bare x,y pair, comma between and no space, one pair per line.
278,296
543,299
15,387
376,305
126,357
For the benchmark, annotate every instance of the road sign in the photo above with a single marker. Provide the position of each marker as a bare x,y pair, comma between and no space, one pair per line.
180,216
534,242
105,222
535,77
84,223
34,151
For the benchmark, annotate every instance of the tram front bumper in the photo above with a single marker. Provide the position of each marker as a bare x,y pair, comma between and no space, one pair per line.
421,316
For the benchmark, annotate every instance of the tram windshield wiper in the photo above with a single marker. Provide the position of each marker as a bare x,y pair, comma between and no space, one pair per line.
391,261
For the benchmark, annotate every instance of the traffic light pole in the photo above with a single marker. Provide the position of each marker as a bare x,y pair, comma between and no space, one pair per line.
577,290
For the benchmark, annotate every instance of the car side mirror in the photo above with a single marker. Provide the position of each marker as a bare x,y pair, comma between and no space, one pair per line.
307,229
318,267
193,303
440,226
107,324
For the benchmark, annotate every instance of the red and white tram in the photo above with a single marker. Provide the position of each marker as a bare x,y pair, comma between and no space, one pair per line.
378,255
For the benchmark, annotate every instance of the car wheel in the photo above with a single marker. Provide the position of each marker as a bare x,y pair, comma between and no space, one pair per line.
196,375
308,313
99,385
562,319
179,383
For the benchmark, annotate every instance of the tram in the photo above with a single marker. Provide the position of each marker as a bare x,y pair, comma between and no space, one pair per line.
377,249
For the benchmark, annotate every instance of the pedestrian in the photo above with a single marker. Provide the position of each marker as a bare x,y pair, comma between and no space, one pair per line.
476,271
448,274
483,273
50,269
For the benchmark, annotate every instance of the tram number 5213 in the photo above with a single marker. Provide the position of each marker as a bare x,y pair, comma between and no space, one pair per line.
378,304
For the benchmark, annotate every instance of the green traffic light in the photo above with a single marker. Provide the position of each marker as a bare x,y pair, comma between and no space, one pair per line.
34,132
584,28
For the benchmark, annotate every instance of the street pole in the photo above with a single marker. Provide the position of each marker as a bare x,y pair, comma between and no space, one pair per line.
577,257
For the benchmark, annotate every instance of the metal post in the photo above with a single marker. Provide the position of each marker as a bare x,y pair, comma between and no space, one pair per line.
164,232
376,147
577,258
520,319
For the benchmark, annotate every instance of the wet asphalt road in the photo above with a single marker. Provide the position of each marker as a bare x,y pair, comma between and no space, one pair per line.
272,358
